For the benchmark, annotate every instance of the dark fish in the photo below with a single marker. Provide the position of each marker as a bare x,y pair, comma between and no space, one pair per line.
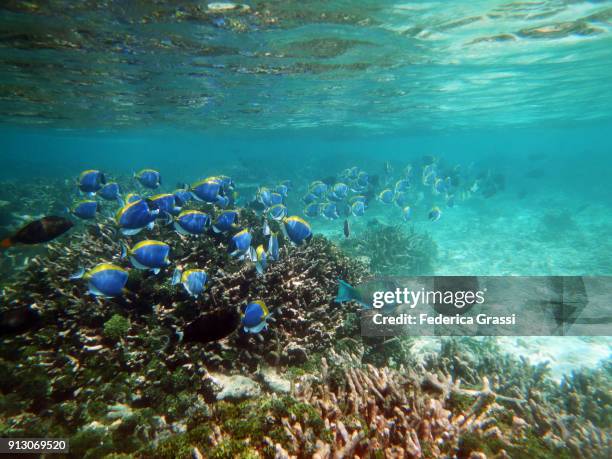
347,228
18,320
39,231
212,327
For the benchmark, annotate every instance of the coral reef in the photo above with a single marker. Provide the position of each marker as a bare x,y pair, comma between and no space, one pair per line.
393,250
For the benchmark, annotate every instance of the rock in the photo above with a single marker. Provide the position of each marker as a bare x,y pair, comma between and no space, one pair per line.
296,354
273,382
236,387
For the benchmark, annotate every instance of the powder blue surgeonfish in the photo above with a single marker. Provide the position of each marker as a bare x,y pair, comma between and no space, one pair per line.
149,254
273,248
312,210
191,222
261,260
90,181
85,209
206,190
255,316
434,214
297,229
148,178
182,197
193,280
240,244
132,197
277,212
358,208
225,221
166,203
104,280
386,196
135,216
111,192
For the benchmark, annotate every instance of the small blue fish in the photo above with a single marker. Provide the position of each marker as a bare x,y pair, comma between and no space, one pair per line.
222,201
273,248
310,198
277,212
318,188
407,213
90,181
283,190
111,192
191,223
132,197
254,317
312,210
261,260
148,178
193,280
264,196
226,221
386,196
402,199
85,209
135,216
298,230
182,197
149,255
104,280
166,203
402,185
329,210
358,208
434,214
339,192
206,190
240,244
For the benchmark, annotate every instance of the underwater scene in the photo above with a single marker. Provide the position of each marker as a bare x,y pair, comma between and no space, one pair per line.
195,197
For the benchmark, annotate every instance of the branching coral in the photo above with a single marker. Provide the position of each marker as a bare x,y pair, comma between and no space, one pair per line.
394,250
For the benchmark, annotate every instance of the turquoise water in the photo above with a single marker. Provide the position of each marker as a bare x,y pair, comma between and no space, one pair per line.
267,91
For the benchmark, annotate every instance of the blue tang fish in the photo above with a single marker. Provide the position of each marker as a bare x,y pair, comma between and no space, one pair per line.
182,197
277,212
254,317
85,209
434,214
297,229
149,254
206,190
166,203
193,280
310,198
104,280
261,260
386,196
227,220
358,208
273,248
111,191
191,222
329,210
312,210
90,181
149,178
240,243
318,188
135,216
132,197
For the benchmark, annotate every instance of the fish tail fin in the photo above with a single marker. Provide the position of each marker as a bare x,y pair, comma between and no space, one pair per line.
6,243
176,277
77,275
260,269
124,250
346,292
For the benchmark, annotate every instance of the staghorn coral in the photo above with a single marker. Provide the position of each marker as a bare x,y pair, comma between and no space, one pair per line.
393,250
